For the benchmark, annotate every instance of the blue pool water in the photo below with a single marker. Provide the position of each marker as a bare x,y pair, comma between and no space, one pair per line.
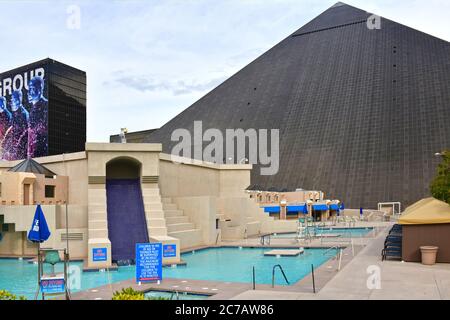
216,264
342,232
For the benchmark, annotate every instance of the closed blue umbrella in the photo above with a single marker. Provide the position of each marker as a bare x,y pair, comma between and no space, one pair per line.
361,211
305,209
39,231
342,207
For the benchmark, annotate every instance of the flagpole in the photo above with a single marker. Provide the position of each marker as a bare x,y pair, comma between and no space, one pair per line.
67,230
67,208
39,271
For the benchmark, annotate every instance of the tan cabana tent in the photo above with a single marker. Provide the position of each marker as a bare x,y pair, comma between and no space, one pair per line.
426,223
426,211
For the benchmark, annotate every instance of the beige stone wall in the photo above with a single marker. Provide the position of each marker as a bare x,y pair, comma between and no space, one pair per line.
190,178
187,180
75,167
203,190
12,187
206,191
202,211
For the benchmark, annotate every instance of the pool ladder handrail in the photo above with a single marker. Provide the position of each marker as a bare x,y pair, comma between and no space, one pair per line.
282,272
331,248
175,293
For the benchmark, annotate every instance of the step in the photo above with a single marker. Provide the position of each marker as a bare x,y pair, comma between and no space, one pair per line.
166,200
188,238
151,199
156,223
170,206
173,213
98,224
98,233
180,227
150,192
155,214
177,219
153,206
96,207
157,231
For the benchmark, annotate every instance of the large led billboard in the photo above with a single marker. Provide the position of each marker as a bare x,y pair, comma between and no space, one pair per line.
24,114
42,110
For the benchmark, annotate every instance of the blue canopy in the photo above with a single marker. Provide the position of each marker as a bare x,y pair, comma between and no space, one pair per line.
39,231
300,209
321,207
272,209
334,206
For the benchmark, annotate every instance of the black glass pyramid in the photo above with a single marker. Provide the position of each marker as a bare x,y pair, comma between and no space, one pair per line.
29,165
361,111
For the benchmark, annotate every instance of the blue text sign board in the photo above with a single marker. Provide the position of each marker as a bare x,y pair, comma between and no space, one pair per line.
52,285
169,250
99,254
148,262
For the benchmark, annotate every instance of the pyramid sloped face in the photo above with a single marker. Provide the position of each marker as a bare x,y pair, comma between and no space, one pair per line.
338,15
361,112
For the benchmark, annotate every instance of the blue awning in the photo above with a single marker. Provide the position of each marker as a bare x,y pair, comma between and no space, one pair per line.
300,209
322,207
334,206
272,209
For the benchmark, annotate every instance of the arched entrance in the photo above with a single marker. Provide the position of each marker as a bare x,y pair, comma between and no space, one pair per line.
123,168
127,223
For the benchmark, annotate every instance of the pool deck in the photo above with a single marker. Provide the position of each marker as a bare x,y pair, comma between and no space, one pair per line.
399,280
325,275
223,290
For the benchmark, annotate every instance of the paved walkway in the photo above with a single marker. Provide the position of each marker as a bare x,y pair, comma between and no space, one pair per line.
398,280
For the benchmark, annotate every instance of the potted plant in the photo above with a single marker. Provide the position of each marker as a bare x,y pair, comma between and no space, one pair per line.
429,254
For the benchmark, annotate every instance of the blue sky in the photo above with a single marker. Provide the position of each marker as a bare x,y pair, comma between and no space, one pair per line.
147,60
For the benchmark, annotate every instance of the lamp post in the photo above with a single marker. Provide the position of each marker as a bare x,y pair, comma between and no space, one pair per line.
243,161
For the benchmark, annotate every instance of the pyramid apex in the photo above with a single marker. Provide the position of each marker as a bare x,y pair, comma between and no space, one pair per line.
339,4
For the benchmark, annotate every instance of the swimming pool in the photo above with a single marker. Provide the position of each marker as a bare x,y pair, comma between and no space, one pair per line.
342,232
215,264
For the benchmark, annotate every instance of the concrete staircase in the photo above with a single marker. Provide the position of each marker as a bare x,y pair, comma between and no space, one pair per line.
156,222
179,225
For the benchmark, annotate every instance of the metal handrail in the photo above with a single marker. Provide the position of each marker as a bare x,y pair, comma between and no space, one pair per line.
331,248
217,237
282,272
175,293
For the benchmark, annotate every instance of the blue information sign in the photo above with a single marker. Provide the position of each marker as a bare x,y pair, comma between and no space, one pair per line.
148,262
52,285
99,254
169,250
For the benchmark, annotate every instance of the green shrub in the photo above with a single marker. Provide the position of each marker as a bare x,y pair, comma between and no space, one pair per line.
128,294
6,295
440,186
131,294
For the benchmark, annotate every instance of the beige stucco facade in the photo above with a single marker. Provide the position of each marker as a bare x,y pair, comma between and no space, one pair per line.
187,203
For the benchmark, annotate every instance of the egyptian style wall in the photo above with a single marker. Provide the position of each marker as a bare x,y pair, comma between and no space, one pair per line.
206,192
